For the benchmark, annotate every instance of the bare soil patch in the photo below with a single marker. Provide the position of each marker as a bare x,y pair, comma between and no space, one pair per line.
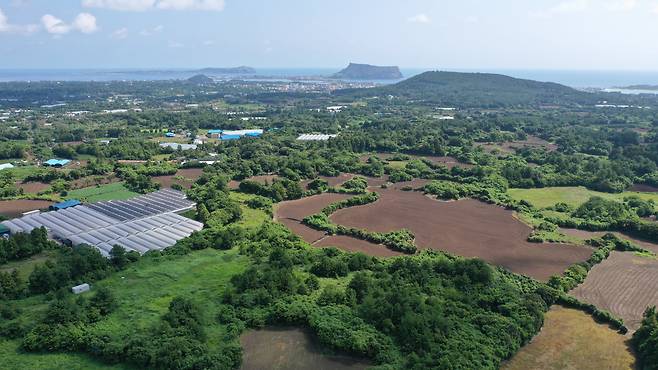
189,175
571,339
354,245
333,181
468,228
291,349
291,213
513,146
643,188
262,179
33,187
624,284
15,208
583,234
86,182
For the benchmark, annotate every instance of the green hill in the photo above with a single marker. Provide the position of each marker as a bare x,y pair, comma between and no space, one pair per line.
478,90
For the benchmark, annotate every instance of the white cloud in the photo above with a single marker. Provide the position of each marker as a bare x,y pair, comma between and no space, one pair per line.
175,44
123,5
54,25
120,34
149,32
621,5
209,43
85,23
564,7
6,27
143,5
419,18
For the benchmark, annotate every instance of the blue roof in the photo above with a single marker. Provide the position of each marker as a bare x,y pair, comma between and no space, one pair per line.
253,134
230,137
66,204
215,131
170,134
57,162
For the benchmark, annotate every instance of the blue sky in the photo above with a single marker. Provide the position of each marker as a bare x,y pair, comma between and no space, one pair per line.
500,34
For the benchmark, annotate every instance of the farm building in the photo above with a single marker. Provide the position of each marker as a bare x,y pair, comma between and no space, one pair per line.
176,146
315,137
144,223
79,289
56,162
64,205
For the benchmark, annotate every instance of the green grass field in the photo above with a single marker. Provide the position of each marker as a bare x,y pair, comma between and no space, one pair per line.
22,172
26,266
114,191
574,196
13,358
250,217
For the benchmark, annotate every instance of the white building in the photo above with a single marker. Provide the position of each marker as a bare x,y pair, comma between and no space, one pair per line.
80,288
315,137
6,166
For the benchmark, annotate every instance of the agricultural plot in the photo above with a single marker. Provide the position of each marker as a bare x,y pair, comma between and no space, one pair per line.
262,179
331,180
584,235
512,146
291,213
467,227
15,208
354,245
184,177
571,339
290,348
572,195
114,191
624,284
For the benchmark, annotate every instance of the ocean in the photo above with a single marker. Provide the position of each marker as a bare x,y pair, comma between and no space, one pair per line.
577,79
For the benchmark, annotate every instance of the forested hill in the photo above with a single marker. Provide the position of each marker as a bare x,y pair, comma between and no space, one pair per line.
478,90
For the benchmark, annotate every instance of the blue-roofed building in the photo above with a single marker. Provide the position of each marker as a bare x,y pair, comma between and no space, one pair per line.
65,204
170,134
230,137
56,162
253,134
215,132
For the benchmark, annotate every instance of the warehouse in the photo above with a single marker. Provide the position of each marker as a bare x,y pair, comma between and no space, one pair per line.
144,223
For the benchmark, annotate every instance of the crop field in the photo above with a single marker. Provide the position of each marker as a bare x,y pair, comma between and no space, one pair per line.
15,208
354,245
114,191
624,284
33,187
331,180
291,213
584,235
467,227
290,348
184,177
571,339
574,196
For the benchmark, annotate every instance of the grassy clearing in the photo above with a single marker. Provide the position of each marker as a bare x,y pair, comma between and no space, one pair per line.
22,172
250,217
12,358
114,191
26,266
571,339
574,196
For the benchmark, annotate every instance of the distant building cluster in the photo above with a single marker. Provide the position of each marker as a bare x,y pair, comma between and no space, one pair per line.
316,137
177,146
234,134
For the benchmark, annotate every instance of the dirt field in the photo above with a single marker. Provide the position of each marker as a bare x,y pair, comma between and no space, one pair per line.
354,245
572,340
583,234
15,208
233,184
332,181
291,213
291,349
642,188
33,187
467,227
449,162
190,175
623,284
512,146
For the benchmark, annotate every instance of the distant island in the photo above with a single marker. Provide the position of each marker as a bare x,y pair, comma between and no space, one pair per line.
200,79
356,71
242,70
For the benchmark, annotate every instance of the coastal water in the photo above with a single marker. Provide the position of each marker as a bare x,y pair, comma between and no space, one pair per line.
578,79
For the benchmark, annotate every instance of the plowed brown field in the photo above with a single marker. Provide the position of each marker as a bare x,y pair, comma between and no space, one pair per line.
15,208
291,213
467,227
624,284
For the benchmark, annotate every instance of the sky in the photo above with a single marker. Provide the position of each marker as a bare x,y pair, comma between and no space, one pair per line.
437,34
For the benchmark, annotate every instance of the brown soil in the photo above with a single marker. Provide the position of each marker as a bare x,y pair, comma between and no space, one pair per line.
333,181
190,175
467,227
583,234
623,284
512,146
291,213
86,182
642,188
234,185
354,245
449,162
15,208
291,349
33,187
